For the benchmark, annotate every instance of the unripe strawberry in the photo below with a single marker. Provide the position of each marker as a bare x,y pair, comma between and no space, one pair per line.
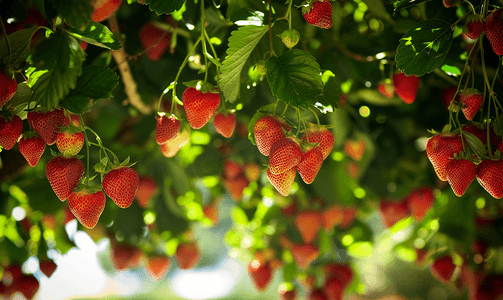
70,142
386,88
261,68
494,30
8,87
290,37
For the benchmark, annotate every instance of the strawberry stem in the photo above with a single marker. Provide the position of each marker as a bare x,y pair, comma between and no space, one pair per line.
87,149
289,14
6,39
270,30
316,116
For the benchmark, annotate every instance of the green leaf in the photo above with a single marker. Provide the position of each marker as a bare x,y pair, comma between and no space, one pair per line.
164,6
247,16
424,47
98,35
294,77
22,95
20,42
475,144
330,97
52,52
360,249
96,82
401,4
77,13
241,44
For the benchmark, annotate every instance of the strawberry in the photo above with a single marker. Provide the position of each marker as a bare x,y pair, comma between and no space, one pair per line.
440,149
479,246
47,124
83,45
491,287
287,295
285,154
317,294
157,266
490,177
166,128
343,272
322,136
406,87
267,130
260,273
310,164
64,174
420,201
290,38
443,268
171,147
28,285
348,216
87,206
481,133
474,27
120,185
282,182
494,30
308,222
421,256
354,149
471,104
333,288
225,124
448,94
154,40
103,9
147,187
124,256
331,217
232,169
187,255
74,119
252,171
8,87
47,266
460,173
393,211
69,142
352,169
31,148
199,107
319,14
304,255
10,131
211,212
236,186
386,88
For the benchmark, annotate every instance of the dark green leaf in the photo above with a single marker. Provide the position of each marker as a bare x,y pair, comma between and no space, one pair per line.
52,52
164,6
40,4
289,271
22,95
96,82
424,47
294,77
20,42
77,13
475,144
241,44
401,4
331,96
98,35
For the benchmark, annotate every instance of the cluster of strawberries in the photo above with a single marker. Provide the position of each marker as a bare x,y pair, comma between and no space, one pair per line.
492,27
470,102
274,139
445,153
13,280
238,176
404,86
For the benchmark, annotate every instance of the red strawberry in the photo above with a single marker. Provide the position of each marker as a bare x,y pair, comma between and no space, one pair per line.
406,87
352,169
420,201
87,206
166,129
331,217
450,3
490,288
211,212
147,187
319,14
154,40
308,222
232,169
448,94
471,104
317,294
125,256
64,174
8,87
460,173
333,288
474,27
443,268
236,186
304,255
393,211
260,273
225,125
69,143
343,272
199,107
103,9
157,266
310,164
187,255
252,171
284,155
440,149
74,119
83,45
171,147
47,266
481,133
490,177
28,285
322,136
31,148
120,185
10,131
354,149
47,124
480,247
282,182
267,130
287,295
386,88
494,30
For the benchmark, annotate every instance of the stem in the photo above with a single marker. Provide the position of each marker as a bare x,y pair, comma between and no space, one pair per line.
87,150
289,13
316,116
6,38
298,117
270,30
284,110
175,82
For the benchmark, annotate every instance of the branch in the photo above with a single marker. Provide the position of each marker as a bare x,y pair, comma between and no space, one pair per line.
120,57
